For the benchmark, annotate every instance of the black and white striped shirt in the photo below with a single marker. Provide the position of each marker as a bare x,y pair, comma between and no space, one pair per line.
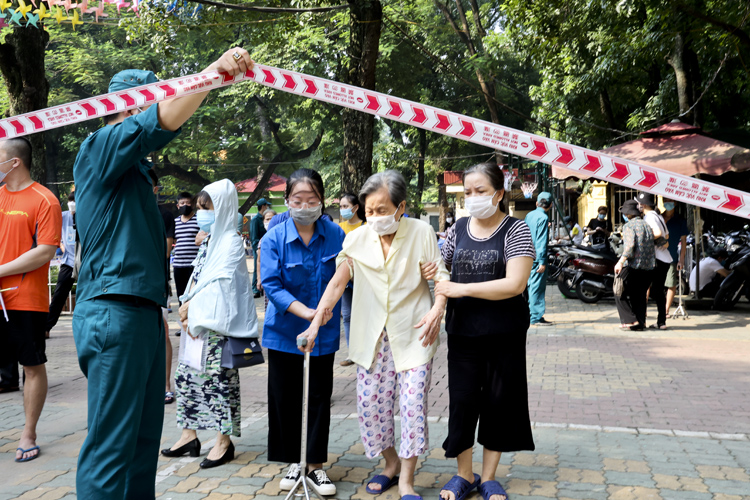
518,242
185,249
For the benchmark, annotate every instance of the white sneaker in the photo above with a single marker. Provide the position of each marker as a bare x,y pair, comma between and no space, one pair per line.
321,483
291,477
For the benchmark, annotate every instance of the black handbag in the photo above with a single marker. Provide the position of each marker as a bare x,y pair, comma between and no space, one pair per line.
240,353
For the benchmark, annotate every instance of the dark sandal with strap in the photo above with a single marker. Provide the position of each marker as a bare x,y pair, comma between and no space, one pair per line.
460,487
489,488
384,481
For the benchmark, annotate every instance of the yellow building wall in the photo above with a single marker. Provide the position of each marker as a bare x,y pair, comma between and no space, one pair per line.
589,204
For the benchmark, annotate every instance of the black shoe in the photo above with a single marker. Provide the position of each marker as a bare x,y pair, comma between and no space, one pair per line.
256,295
193,447
542,322
177,333
228,456
637,328
8,388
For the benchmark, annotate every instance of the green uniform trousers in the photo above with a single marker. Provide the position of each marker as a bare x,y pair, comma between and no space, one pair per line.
537,285
121,350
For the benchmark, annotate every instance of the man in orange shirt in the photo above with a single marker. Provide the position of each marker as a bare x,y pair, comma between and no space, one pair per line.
30,229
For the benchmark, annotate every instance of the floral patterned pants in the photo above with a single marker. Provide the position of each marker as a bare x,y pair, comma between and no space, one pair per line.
377,389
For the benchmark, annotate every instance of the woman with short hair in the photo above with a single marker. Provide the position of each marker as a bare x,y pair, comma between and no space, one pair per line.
394,330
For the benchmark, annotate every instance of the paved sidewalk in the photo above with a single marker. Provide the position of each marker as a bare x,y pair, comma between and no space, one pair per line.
618,415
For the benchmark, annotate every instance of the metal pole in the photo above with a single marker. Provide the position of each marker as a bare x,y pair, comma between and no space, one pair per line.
304,482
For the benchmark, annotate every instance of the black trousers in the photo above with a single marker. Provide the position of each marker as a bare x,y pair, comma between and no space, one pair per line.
181,279
487,384
658,277
285,407
631,306
9,374
712,286
64,285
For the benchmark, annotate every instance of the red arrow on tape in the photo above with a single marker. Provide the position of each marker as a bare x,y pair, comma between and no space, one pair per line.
109,105
37,122
566,156
395,110
168,90
540,149
649,179
419,116
129,101
443,122
18,126
621,171
147,94
468,129
89,109
592,164
310,87
372,102
733,202
289,82
269,79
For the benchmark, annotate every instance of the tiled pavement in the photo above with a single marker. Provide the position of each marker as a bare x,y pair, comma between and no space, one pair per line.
618,415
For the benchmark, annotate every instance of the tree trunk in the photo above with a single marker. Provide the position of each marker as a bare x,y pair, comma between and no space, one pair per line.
22,67
678,63
365,19
606,108
52,148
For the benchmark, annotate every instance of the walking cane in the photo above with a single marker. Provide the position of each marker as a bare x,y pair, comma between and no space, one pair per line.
680,311
304,482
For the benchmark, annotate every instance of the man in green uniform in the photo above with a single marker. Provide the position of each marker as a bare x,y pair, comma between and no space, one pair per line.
538,222
117,325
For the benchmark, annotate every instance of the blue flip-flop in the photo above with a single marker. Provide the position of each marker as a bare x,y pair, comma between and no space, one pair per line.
489,488
384,481
411,497
26,451
460,487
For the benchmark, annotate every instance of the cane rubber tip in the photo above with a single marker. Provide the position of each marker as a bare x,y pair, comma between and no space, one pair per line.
301,341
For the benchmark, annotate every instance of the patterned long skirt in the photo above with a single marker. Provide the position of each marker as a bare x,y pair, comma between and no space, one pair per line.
208,400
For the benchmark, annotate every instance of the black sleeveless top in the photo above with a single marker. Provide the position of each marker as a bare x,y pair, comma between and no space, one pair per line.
475,261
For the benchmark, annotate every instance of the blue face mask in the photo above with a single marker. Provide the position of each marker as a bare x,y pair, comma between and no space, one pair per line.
625,218
347,213
668,206
601,216
205,219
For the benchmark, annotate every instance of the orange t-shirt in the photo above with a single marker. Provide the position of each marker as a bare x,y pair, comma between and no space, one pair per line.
28,218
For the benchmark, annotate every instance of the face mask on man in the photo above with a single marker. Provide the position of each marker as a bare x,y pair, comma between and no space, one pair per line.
347,213
669,206
205,219
4,174
384,225
185,209
481,207
601,216
625,218
72,206
306,216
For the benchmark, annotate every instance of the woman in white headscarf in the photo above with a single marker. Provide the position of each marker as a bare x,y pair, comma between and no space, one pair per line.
218,304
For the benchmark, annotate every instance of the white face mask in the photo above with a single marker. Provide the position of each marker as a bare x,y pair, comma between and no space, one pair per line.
3,174
481,207
449,220
384,225
266,224
72,206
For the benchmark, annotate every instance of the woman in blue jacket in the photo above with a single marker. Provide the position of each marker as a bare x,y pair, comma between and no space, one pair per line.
298,259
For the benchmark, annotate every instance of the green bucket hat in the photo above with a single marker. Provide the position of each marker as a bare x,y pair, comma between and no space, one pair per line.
129,78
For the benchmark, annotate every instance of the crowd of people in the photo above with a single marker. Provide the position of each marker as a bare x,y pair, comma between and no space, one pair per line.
372,270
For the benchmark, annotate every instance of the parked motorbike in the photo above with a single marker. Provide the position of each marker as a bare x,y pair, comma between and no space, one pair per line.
557,259
590,272
737,283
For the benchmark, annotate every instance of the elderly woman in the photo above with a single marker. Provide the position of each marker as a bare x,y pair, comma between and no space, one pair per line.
394,327
217,305
634,267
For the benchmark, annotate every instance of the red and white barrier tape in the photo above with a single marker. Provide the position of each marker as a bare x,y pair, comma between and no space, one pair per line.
593,163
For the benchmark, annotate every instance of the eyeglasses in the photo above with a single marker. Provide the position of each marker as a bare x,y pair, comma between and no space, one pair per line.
301,204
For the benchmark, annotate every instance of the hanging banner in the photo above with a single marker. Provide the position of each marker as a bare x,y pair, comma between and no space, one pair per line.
592,163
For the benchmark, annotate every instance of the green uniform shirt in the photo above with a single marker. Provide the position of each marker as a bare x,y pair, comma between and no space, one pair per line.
538,222
123,243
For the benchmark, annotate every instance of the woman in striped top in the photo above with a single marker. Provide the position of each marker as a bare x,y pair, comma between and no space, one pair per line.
185,249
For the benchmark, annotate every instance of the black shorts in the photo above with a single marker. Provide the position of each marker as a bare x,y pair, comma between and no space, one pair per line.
22,338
